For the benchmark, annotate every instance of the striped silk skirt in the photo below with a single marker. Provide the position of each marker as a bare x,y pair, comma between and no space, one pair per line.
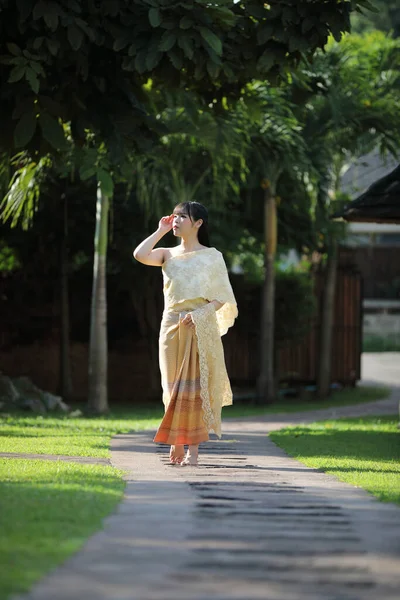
183,421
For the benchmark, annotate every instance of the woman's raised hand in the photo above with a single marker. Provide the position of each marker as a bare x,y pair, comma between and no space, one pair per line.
165,223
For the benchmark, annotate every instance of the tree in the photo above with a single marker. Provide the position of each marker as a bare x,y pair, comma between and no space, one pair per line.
276,144
349,106
385,16
86,64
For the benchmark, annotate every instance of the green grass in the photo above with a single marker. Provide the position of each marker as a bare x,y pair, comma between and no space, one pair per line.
71,436
363,452
63,435
48,510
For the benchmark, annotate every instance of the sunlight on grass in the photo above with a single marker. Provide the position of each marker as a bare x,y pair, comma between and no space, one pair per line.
63,435
363,452
48,510
68,436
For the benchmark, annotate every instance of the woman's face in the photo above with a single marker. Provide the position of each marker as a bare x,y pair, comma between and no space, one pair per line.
182,226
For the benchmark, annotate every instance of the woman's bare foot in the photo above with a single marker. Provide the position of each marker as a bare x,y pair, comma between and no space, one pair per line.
176,454
191,456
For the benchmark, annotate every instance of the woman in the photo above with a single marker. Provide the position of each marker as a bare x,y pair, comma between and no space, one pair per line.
199,308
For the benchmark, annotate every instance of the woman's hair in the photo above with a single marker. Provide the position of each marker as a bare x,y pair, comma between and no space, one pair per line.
197,211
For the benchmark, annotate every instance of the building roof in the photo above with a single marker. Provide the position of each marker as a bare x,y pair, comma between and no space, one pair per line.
380,203
365,171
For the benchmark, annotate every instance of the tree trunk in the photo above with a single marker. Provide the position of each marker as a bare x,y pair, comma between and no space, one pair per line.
328,309
98,402
265,383
65,381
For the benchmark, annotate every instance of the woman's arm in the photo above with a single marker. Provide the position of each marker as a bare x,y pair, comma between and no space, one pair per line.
187,319
217,305
145,254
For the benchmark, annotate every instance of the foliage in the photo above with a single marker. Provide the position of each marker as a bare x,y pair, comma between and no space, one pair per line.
9,260
362,452
106,53
22,199
389,342
199,157
385,16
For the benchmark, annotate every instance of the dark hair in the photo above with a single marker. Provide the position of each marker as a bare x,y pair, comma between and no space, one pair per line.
197,211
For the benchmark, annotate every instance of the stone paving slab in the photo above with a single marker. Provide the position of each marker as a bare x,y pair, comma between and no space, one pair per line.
85,460
248,523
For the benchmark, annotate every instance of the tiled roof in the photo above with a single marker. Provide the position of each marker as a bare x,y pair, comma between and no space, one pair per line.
368,169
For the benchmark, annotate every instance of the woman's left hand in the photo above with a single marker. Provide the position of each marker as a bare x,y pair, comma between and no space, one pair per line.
187,320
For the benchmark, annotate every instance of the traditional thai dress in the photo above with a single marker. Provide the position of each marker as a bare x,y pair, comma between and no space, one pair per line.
193,374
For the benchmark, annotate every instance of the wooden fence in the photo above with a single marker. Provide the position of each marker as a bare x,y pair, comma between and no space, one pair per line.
298,362
380,269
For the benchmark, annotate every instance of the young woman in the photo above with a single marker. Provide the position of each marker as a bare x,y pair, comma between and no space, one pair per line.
199,309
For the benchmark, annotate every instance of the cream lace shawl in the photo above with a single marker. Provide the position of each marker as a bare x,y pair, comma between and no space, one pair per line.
203,274
200,274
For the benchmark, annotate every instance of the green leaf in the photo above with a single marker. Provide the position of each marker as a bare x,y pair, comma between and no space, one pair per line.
155,17
186,23
32,79
211,39
120,43
175,57
53,46
37,67
86,172
14,49
25,129
52,131
75,37
51,16
75,6
152,60
368,5
106,182
25,8
266,60
199,71
212,69
140,61
228,72
226,15
186,43
85,27
39,10
37,42
167,41
16,74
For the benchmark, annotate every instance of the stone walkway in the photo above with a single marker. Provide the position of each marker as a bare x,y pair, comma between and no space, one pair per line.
249,523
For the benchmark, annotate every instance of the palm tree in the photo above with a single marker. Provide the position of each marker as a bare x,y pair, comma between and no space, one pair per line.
98,391
349,105
276,146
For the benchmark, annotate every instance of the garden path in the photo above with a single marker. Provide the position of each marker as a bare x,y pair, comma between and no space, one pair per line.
248,523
